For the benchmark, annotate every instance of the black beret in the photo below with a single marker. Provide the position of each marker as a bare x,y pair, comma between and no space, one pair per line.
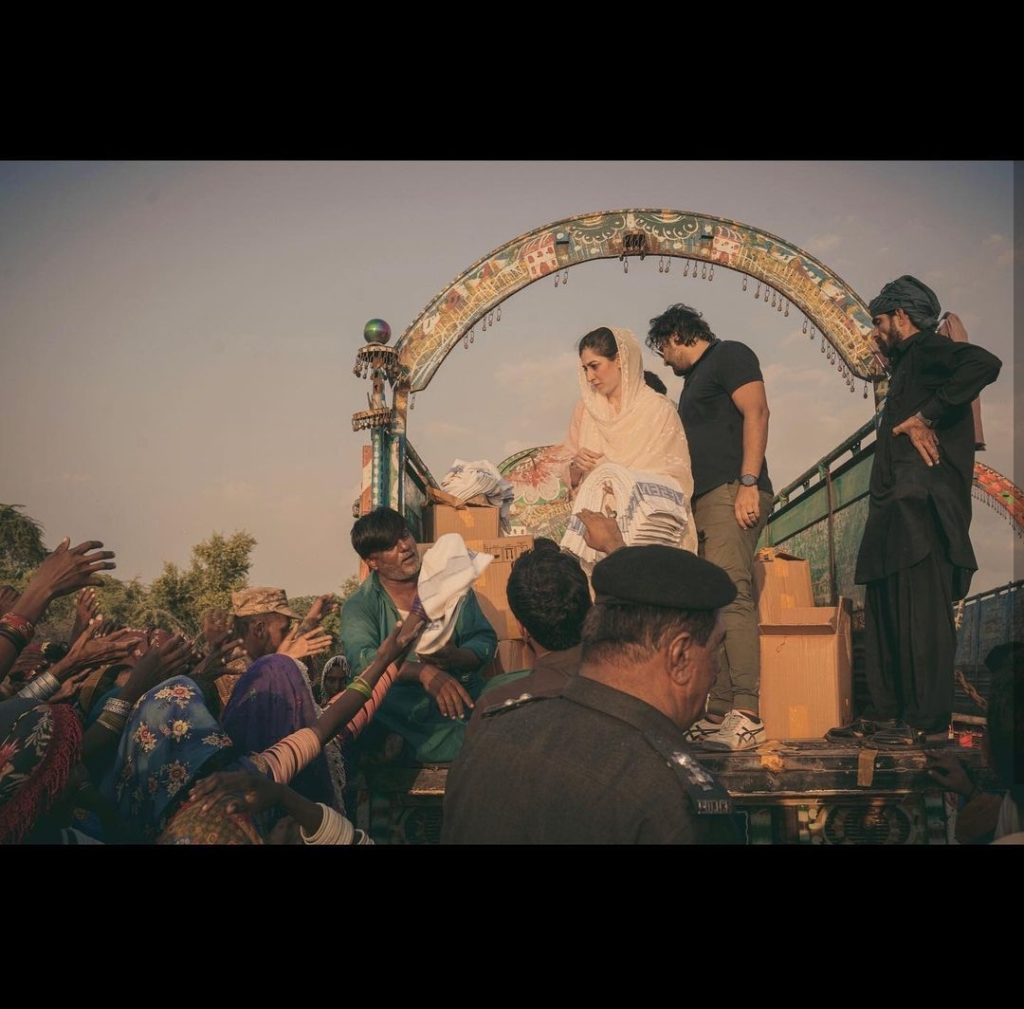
662,576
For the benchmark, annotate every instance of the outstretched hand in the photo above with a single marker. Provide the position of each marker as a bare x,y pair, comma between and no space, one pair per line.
299,644
214,664
94,647
323,606
85,609
600,532
69,568
159,663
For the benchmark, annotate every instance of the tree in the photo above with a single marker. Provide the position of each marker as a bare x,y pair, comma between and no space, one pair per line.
220,565
21,546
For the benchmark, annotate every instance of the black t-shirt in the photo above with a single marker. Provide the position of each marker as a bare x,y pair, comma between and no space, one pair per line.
713,425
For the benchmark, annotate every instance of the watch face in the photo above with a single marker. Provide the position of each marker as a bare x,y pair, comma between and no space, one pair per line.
748,481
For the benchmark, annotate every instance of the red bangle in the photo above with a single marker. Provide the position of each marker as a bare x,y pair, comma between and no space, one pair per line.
19,625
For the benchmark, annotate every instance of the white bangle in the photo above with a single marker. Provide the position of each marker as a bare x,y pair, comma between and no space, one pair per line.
333,829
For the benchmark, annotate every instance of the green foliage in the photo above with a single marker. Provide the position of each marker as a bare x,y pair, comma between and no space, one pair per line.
21,546
176,599
220,565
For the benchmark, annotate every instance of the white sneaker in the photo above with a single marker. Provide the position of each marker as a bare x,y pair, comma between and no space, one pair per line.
737,732
701,729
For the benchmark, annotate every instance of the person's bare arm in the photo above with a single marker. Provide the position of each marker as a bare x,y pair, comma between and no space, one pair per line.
752,403
66,569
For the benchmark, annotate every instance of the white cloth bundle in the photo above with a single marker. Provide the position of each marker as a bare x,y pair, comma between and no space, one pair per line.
648,507
447,573
467,479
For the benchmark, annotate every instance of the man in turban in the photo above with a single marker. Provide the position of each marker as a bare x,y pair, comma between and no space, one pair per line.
916,557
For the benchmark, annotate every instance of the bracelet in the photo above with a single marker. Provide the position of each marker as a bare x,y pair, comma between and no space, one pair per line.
13,636
359,685
19,625
333,829
117,706
115,723
40,687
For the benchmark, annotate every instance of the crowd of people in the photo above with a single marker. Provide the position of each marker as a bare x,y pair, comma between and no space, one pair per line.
138,735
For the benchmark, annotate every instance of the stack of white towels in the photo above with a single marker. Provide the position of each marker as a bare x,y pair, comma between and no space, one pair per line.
468,479
648,507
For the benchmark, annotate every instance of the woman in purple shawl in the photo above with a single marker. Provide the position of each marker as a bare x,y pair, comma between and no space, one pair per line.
270,701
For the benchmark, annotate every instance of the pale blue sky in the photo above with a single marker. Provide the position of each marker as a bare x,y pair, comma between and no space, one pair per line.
179,337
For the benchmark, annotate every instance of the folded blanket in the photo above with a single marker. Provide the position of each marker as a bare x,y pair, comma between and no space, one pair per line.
649,508
448,571
468,479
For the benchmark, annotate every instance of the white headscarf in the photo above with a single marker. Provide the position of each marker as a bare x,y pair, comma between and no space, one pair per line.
645,433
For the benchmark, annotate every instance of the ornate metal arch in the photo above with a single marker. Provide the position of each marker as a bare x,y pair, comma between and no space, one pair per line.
792,275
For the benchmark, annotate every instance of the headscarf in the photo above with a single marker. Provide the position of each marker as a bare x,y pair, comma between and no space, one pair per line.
645,434
339,661
169,738
36,760
272,700
916,299
191,825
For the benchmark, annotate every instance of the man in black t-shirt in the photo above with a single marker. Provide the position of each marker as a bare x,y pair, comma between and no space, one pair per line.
725,415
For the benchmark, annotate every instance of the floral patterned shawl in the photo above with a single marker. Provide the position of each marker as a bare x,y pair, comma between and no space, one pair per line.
36,759
170,737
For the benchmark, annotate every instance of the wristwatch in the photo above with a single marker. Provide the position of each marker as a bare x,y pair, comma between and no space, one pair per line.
748,481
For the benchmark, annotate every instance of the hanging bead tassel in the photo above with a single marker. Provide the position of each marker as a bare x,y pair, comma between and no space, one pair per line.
785,314
558,277
745,287
668,263
711,272
499,313
703,271
805,328
661,264
757,293
766,294
565,277
490,319
686,268
625,265
773,299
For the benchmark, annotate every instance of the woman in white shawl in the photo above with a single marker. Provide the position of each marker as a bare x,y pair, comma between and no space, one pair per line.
620,419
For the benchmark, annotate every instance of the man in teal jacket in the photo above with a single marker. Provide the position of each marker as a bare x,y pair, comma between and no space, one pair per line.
431,702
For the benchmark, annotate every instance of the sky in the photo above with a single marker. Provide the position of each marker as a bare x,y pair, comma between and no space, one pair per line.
179,337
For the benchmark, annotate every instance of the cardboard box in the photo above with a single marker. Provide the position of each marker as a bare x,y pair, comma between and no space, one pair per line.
470,523
806,671
781,582
511,656
490,586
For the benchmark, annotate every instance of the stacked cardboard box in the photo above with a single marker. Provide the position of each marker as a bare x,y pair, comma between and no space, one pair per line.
806,653
471,523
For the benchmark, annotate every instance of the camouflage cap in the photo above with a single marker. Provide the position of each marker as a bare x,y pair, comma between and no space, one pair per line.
250,602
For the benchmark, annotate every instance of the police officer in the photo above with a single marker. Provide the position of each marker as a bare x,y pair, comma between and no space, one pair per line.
606,762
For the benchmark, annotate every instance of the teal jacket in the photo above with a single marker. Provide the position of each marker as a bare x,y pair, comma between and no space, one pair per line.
367,619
